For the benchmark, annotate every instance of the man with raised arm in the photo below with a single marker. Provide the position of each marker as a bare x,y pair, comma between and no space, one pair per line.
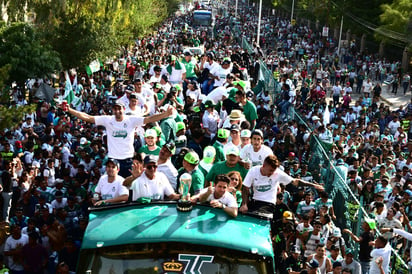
265,180
120,130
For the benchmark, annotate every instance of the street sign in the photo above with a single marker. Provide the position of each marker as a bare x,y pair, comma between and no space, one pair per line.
325,31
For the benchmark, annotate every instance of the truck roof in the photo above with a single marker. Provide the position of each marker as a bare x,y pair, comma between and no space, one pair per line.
154,223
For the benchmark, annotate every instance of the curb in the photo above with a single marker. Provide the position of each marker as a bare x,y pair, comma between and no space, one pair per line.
386,100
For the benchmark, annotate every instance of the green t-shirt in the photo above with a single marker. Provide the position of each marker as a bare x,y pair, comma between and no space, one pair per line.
222,168
190,68
145,149
160,96
220,155
169,129
249,109
198,180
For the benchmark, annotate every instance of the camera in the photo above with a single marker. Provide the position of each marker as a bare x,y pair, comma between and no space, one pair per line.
171,94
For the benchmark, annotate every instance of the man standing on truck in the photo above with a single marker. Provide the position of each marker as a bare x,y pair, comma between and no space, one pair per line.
265,182
219,197
120,130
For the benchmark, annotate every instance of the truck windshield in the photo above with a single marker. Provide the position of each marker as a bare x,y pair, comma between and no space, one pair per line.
202,18
171,258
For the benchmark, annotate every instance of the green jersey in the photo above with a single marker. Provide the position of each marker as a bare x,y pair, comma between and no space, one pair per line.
220,155
145,149
222,168
249,109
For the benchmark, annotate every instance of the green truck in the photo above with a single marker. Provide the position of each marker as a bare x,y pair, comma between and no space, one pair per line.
158,238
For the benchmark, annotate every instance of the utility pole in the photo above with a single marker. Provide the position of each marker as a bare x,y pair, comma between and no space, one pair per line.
258,30
340,36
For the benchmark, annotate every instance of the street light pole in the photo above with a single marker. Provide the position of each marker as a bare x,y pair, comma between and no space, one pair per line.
340,36
236,9
293,7
258,29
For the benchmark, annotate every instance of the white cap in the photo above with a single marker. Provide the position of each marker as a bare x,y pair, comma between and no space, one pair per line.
83,141
245,133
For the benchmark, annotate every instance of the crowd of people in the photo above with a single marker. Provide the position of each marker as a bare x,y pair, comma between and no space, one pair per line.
159,113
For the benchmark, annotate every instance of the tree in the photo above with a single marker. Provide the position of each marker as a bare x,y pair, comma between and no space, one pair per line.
82,31
10,117
27,56
396,22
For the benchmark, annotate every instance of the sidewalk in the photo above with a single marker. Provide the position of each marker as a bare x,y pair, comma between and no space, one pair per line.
388,98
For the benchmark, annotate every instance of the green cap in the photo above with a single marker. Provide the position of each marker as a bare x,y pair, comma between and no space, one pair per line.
178,87
240,83
180,126
223,133
192,158
232,93
209,154
371,223
209,104
196,109
171,147
158,130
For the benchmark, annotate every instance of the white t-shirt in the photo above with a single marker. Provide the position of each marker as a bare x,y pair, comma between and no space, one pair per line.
217,94
385,253
264,187
176,75
230,145
154,189
212,67
221,73
393,126
11,244
367,87
336,90
227,199
120,135
170,171
50,174
257,158
210,121
111,190
55,204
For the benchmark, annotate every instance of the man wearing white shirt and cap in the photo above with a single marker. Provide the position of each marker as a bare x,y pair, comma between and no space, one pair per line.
152,184
235,136
245,138
165,165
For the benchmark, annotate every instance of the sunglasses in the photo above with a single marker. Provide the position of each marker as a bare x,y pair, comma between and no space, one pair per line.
151,167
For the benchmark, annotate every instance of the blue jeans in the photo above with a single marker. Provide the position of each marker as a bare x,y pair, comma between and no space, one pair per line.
284,107
365,267
206,88
6,205
125,166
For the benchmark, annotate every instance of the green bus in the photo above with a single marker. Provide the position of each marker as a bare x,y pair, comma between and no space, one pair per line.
158,238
